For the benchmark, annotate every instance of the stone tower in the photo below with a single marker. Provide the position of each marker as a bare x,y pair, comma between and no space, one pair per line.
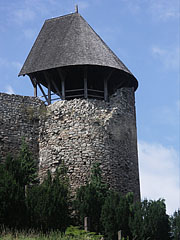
95,117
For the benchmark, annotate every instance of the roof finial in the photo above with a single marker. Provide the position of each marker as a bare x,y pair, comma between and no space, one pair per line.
76,8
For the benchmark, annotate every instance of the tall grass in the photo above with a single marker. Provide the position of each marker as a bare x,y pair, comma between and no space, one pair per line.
72,233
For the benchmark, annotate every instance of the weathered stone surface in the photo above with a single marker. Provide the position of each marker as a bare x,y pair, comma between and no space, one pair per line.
19,118
78,132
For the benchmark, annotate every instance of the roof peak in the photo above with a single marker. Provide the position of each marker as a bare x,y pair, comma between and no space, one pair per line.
63,16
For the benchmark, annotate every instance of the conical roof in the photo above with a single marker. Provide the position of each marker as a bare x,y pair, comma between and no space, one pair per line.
69,41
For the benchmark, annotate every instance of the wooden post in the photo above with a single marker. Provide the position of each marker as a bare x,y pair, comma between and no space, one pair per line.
49,92
49,87
86,224
35,90
105,90
56,88
63,89
119,235
106,85
85,83
42,92
25,190
34,83
62,83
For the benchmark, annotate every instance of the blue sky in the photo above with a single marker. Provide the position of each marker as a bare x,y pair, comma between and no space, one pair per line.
144,34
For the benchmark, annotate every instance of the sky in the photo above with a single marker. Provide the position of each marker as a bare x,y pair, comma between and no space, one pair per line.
144,34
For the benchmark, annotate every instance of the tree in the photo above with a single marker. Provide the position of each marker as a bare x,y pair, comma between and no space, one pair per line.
175,225
47,203
23,168
15,172
115,214
150,221
12,204
90,199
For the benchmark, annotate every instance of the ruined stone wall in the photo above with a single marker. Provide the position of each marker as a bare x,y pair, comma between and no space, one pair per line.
80,132
19,118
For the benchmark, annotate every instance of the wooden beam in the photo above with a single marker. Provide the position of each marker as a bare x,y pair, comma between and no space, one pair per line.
106,85
34,83
49,92
85,83
49,87
56,88
105,90
42,92
62,83
35,90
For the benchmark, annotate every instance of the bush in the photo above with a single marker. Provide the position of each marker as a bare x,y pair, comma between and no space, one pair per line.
90,199
16,172
149,220
47,204
115,214
23,168
12,199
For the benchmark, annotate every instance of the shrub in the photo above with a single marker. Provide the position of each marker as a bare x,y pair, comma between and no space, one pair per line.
90,199
12,204
115,215
149,220
47,204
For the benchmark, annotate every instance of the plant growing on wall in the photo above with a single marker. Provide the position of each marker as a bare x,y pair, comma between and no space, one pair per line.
23,167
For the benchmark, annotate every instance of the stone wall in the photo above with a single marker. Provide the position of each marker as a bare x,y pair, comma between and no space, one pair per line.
80,132
19,118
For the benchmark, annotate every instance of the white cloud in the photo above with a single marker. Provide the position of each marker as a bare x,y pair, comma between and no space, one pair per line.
169,57
28,11
9,90
23,15
133,6
164,9
4,63
159,9
159,174
16,65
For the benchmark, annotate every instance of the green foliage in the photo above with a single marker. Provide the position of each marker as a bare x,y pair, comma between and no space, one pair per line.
15,174
77,233
90,199
150,221
12,207
28,167
23,168
72,233
47,203
115,214
45,206
175,225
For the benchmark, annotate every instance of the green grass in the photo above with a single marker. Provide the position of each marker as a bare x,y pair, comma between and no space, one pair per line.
72,233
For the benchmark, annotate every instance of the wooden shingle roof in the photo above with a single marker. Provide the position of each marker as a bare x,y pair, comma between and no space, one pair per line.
69,41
